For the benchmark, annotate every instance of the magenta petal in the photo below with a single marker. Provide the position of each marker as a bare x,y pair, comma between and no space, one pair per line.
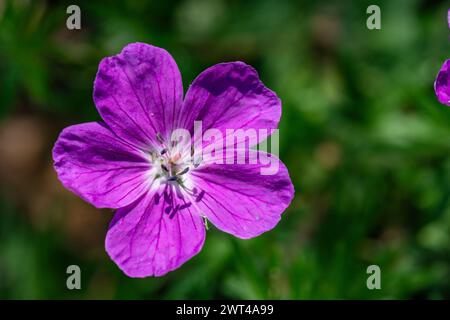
448,18
231,96
155,235
139,93
239,200
99,167
442,84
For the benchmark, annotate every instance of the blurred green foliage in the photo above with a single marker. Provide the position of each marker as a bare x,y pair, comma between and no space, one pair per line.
366,143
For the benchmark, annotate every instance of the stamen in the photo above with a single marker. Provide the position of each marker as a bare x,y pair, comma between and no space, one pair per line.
174,163
197,163
159,138
183,172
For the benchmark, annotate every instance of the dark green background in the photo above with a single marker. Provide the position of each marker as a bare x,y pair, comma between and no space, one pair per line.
364,138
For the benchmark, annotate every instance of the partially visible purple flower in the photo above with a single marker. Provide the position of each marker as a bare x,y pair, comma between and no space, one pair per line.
448,18
442,84
128,162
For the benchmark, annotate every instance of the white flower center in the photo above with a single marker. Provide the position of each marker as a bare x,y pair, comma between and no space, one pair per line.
172,163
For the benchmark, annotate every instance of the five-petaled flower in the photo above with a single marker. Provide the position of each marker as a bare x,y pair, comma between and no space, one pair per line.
128,162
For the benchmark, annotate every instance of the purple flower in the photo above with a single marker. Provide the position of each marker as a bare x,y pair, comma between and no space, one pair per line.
442,84
129,162
448,18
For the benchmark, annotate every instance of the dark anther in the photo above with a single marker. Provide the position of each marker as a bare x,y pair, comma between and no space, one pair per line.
200,196
164,168
197,162
174,211
157,196
163,151
185,206
183,172
172,178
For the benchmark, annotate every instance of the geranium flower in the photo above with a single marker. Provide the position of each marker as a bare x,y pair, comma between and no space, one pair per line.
442,84
162,196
